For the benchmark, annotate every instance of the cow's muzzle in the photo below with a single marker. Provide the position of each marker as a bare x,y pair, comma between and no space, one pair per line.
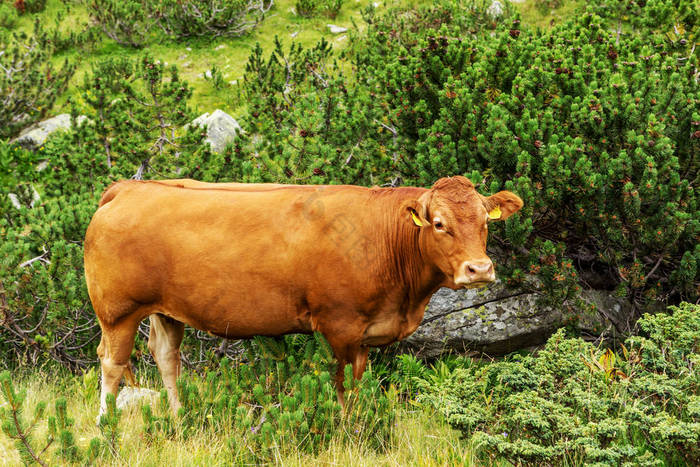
475,273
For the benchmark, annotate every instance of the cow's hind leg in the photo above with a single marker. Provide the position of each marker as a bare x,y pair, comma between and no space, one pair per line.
164,343
114,352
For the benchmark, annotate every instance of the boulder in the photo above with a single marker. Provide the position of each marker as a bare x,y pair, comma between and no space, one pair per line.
495,10
36,135
221,128
497,320
336,29
27,197
131,397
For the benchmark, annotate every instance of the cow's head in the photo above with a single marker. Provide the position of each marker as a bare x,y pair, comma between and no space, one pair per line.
454,219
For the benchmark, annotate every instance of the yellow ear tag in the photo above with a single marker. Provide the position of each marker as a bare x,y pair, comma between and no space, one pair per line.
415,219
495,213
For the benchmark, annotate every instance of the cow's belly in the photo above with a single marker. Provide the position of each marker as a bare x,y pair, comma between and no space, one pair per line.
237,311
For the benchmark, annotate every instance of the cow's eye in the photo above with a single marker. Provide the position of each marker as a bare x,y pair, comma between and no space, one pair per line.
438,225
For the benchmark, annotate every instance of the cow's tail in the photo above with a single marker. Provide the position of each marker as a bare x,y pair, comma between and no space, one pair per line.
112,191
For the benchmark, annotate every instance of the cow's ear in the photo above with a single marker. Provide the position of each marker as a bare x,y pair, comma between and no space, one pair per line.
418,210
502,205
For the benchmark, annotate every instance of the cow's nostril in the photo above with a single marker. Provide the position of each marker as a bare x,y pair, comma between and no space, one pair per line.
475,272
478,269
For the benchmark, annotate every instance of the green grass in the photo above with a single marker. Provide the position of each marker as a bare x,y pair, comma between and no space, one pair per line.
419,438
534,16
230,55
194,57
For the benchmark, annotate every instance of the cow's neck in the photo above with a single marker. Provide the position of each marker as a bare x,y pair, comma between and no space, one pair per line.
408,270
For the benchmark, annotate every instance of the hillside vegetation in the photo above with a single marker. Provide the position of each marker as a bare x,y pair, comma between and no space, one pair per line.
588,112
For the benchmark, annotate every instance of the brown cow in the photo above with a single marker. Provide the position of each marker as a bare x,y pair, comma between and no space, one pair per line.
357,264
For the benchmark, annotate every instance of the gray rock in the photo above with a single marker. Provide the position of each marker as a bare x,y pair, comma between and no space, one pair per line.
14,199
30,198
495,10
36,135
336,29
497,320
221,128
131,397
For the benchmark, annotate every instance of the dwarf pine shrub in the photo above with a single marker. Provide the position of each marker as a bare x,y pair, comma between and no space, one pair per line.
306,8
209,18
278,396
331,8
598,132
8,16
136,110
29,6
59,444
575,403
29,82
126,22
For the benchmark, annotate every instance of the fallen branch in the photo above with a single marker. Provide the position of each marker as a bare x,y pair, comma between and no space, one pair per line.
41,257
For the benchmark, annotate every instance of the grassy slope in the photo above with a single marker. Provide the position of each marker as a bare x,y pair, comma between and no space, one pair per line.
230,55
420,439
230,59
534,16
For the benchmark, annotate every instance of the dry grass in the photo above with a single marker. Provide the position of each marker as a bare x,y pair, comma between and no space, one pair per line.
420,438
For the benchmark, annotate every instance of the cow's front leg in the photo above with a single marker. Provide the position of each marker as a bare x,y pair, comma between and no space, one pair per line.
354,354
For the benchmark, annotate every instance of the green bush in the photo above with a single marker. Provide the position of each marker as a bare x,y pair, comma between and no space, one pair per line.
136,110
545,6
207,18
29,83
277,396
331,8
8,16
29,6
83,37
574,403
658,15
127,22
316,126
307,8
60,429
597,133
